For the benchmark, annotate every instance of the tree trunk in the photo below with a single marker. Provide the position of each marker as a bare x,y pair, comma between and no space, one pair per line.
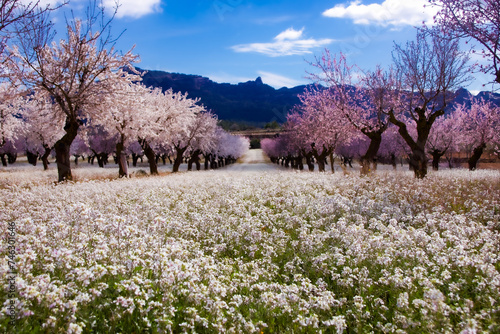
100,160
300,163
150,154
309,161
11,158
62,149
476,155
4,161
122,160
369,157
45,157
135,158
320,158
207,161
418,162
418,157
32,157
178,158
393,161
436,157
332,160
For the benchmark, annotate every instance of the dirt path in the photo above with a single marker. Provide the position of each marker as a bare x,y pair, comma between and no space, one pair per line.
254,161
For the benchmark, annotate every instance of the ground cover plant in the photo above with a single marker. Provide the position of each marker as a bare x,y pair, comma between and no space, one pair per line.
254,252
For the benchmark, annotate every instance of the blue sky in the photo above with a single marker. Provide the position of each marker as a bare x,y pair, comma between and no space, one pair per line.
239,40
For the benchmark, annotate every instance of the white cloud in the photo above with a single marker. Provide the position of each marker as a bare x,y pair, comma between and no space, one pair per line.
290,34
288,42
277,80
389,12
133,8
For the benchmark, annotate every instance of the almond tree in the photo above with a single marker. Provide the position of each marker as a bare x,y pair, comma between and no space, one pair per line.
478,126
477,20
270,148
125,116
229,147
323,124
169,117
365,103
297,138
441,139
192,135
100,143
76,73
211,142
430,68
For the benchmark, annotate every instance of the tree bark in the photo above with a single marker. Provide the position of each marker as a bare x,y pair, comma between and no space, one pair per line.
4,161
418,163
320,158
418,157
150,154
309,161
476,155
62,149
178,158
32,157
436,157
207,161
122,160
332,160
369,157
45,157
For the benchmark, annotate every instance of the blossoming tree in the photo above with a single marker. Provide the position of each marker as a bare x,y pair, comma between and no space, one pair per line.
76,73
323,124
197,134
478,126
431,67
365,104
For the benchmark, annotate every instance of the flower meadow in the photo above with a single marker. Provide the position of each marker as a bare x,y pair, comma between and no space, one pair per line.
249,252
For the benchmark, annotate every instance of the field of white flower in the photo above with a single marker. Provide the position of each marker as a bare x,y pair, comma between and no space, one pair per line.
249,252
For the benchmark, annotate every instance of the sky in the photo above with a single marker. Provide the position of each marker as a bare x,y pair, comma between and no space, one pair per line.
239,40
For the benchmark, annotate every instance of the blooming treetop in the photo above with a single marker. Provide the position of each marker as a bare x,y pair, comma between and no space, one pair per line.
478,126
125,114
228,145
42,126
474,19
10,103
323,123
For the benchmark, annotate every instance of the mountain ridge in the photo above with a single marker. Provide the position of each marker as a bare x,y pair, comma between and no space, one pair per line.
254,101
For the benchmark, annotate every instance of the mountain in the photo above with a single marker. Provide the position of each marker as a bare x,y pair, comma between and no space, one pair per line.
251,101
254,101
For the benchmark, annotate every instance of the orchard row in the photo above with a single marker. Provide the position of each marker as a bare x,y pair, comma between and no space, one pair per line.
81,94
401,111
